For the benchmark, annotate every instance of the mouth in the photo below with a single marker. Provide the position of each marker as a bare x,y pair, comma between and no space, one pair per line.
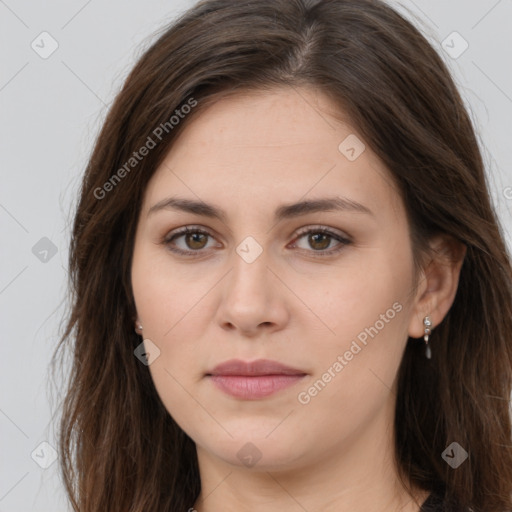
253,380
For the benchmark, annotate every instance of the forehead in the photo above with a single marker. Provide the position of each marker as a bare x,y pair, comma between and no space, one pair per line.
277,118
266,145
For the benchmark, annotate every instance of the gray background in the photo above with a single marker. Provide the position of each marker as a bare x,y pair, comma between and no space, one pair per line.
50,111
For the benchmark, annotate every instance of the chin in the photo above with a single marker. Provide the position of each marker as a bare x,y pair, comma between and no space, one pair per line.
264,453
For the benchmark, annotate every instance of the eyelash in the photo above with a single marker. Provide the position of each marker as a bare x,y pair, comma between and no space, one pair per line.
312,230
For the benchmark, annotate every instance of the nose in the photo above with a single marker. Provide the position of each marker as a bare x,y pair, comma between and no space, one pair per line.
253,298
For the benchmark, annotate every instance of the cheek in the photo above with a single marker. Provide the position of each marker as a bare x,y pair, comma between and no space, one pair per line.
165,297
169,308
353,295
356,366
367,310
174,309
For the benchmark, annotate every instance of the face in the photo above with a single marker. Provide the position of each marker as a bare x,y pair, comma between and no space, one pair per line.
323,289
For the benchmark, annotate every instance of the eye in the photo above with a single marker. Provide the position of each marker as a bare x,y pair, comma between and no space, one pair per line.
320,238
194,239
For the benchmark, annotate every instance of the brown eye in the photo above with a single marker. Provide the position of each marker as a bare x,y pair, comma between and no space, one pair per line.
196,240
188,241
319,241
191,241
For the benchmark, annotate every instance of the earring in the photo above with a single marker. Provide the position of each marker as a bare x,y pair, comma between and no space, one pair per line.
428,324
138,328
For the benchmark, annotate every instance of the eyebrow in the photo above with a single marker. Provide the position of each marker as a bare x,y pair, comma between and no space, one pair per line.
286,211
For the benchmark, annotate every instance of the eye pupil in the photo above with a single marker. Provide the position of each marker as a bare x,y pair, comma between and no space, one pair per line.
193,238
314,241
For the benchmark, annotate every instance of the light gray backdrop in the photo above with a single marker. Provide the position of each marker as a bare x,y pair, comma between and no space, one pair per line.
61,64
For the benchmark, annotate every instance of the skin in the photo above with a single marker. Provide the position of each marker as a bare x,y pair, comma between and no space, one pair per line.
248,154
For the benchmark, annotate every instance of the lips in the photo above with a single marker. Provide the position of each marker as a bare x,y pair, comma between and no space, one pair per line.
253,380
254,368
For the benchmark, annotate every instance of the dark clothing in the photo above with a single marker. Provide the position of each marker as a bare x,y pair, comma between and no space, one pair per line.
436,503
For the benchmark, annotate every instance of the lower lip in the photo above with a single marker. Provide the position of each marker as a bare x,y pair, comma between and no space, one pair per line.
251,388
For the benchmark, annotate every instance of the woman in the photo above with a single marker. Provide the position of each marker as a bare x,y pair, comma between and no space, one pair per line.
290,289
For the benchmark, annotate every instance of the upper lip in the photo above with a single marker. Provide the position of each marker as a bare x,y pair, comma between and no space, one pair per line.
254,368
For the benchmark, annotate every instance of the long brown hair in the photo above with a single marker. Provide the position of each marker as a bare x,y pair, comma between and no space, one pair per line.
120,450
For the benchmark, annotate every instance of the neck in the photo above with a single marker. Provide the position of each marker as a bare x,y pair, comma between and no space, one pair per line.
357,475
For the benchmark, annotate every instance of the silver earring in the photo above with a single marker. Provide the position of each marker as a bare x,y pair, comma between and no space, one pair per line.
138,328
428,324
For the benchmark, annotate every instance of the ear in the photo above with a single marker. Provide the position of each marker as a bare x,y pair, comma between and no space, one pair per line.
437,284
